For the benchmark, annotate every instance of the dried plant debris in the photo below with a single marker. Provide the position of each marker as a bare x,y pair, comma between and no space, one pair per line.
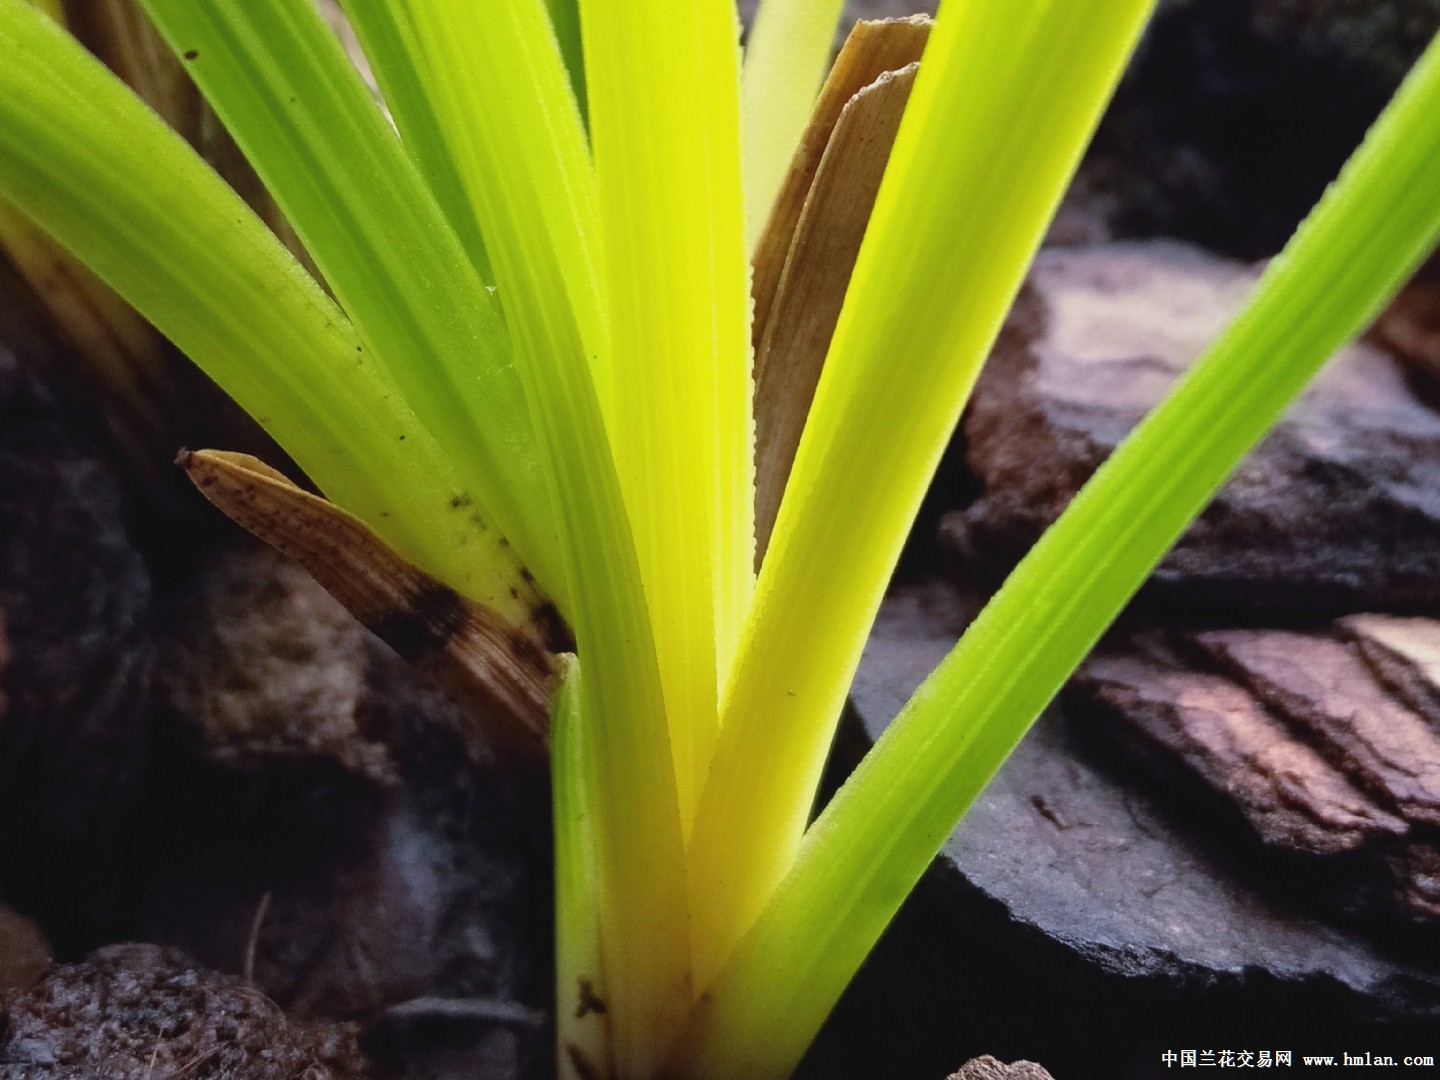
1337,511
135,1012
812,286
502,672
1326,741
871,50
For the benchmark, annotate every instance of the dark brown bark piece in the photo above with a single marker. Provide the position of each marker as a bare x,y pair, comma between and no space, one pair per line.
137,1012
1411,326
1324,686
1155,912
988,1068
265,667
1414,870
1338,510
75,594
24,952
1288,793
1404,653
342,896
4,665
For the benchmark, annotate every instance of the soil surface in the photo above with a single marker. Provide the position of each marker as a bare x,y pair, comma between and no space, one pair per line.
134,1012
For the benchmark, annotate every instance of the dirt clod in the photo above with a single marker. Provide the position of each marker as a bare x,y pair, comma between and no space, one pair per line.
135,1012
988,1068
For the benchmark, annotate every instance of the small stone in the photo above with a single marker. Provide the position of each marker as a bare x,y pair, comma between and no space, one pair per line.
1325,686
987,1068
1339,509
135,1012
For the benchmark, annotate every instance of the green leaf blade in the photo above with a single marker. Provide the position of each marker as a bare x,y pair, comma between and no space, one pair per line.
870,846
285,89
502,94
82,157
504,105
582,1027
565,19
665,129
785,61
1004,104
388,40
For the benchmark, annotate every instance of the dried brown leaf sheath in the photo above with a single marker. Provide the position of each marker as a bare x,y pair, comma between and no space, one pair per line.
502,673
811,287
872,49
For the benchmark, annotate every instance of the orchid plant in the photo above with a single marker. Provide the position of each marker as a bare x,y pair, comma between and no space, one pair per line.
525,366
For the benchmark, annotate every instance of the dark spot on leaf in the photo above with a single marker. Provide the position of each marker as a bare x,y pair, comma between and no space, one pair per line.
582,1066
590,1002
429,619
553,628
191,54
459,501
